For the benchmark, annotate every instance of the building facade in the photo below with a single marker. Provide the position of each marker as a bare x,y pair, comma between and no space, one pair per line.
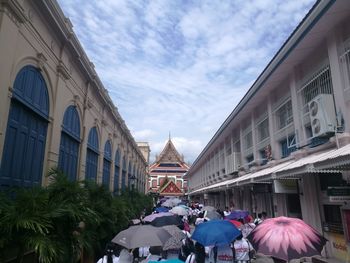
166,173
55,112
285,148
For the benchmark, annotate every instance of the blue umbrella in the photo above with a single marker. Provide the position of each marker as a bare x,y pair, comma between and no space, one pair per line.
215,233
162,209
237,214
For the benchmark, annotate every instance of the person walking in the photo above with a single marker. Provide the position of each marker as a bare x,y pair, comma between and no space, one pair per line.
241,249
199,251
109,255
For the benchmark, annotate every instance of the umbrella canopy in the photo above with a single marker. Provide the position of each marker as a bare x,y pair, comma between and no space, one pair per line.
236,223
171,202
179,210
209,208
167,220
215,232
175,242
286,238
151,217
160,209
141,236
237,214
212,215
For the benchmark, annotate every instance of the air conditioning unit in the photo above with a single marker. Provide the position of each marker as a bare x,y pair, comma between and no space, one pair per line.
322,115
233,161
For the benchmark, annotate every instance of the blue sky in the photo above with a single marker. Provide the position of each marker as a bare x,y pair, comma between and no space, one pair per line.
180,65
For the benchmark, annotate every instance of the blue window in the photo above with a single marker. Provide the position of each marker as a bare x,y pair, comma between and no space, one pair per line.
124,174
92,153
70,140
288,146
107,159
263,157
129,175
250,160
24,147
116,171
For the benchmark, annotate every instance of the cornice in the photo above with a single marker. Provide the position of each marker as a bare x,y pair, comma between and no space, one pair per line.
16,9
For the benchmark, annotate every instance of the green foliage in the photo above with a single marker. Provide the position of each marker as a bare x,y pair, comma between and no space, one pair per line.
62,220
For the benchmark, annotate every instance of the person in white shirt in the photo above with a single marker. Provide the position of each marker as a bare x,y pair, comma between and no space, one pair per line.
226,211
241,250
109,256
143,252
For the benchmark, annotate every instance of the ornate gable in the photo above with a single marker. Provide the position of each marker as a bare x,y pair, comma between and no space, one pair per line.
169,154
170,189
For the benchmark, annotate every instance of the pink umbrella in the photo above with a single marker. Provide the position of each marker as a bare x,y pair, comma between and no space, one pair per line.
286,238
151,217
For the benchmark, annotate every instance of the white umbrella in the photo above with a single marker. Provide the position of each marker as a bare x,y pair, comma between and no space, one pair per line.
179,210
171,202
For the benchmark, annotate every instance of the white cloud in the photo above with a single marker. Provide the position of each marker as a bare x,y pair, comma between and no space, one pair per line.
181,66
143,135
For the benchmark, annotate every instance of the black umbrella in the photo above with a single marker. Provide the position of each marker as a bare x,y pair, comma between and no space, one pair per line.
167,220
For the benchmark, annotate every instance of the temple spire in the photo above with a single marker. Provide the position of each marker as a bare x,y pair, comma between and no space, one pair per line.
169,136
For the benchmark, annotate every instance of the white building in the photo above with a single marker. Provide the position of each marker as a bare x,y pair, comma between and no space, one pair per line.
285,148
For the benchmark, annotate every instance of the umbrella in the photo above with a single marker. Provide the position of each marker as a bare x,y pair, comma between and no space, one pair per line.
160,209
236,223
215,233
151,217
171,202
141,236
175,242
212,215
286,238
237,214
179,210
209,208
167,220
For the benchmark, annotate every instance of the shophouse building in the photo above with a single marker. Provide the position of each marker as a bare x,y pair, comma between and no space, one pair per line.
285,148
55,111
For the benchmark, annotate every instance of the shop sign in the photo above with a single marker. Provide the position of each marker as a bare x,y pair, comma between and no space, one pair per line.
338,193
289,186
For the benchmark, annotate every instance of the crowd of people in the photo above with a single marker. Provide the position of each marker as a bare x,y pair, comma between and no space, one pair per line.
239,251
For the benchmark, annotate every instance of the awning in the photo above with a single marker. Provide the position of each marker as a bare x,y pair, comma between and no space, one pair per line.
330,161
338,158
260,175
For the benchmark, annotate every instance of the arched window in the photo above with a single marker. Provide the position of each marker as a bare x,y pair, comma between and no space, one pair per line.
135,176
24,146
107,159
124,174
116,171
92,153
70,140
129,175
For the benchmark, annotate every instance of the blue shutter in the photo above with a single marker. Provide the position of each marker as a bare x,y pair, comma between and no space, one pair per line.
116,171
129,175
24,147
70,140
107,164
124,174
92,155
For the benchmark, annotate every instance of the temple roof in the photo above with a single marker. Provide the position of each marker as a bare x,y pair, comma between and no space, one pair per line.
169,154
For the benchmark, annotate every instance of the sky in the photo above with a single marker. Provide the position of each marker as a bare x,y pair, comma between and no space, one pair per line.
180,66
